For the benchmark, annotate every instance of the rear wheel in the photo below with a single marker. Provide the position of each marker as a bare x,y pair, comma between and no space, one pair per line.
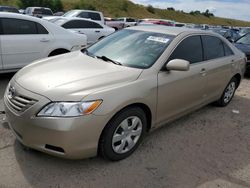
123,134
228,93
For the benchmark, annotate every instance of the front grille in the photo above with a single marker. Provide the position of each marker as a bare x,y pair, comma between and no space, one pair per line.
19,102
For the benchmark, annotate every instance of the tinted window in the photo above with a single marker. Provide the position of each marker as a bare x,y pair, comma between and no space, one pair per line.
130,20
41,29
83,15
228,50
42,11
17,26
189,49
77,24
94,16
9,9
213,47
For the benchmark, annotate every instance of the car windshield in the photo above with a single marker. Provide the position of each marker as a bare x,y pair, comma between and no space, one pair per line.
244,40
132,48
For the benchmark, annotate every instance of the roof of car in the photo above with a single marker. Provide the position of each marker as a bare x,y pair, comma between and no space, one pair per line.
76,18
167,30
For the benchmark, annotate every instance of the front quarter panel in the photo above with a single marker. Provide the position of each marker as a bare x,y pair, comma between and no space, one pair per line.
117,97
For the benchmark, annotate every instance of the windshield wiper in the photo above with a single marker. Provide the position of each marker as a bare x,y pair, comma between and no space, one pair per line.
85,50
104,58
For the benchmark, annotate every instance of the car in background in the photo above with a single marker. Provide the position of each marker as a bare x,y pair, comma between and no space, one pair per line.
158,21
105,98
93,30
25,39
111,22
88,14
9,9
128,22
243,44
232,35
59,14
244,31
38,11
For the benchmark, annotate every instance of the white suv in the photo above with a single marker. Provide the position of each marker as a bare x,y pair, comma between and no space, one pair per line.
25,39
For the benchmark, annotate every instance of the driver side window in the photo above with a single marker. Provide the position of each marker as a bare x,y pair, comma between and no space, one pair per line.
190,49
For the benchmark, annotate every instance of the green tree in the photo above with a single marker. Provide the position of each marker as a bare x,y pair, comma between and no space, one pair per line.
57,5
151,9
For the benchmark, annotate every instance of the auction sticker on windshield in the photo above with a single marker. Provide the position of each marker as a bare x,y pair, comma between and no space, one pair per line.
158,39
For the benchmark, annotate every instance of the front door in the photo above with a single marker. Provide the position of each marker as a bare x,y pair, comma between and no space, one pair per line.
181,91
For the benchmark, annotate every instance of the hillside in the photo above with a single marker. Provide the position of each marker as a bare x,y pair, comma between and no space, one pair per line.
118,8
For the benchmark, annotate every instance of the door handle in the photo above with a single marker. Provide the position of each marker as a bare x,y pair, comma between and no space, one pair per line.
203,72
97,31
44,40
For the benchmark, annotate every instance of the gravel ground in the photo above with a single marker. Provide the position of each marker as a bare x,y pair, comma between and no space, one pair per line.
208,148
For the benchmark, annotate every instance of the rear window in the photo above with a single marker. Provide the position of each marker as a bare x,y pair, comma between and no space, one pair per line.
42,11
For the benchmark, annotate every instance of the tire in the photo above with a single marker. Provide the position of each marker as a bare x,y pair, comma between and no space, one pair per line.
121,137
228,93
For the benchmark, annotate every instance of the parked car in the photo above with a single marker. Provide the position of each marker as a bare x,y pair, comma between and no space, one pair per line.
8,9
244,31
128,22
38,11
104,99
159,22
25,39
88,14
59,14
232,35
117,25
93,30
243,44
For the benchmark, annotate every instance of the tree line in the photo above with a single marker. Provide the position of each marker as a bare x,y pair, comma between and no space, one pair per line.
55,5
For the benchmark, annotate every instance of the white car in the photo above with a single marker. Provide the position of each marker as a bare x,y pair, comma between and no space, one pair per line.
94,30
25,39
88,14
129,22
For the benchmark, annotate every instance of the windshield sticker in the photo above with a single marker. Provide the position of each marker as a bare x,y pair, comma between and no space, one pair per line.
158,39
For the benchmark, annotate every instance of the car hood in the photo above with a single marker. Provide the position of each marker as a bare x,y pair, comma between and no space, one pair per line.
72,76
243,47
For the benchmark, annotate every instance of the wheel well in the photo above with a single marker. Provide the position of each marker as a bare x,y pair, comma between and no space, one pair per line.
58,52
144,107
238,77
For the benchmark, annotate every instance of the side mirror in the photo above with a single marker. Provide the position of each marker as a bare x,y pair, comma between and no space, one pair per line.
178,65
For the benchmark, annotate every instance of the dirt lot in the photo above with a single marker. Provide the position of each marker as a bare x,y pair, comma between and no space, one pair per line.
208,148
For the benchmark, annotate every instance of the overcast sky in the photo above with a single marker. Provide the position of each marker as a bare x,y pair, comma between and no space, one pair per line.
236,9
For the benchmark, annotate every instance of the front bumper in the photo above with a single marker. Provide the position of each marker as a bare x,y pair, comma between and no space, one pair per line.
73,138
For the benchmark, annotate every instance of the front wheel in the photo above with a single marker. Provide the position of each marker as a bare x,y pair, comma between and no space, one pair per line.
228,93
123,134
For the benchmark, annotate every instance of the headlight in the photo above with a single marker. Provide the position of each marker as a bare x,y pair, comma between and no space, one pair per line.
69,109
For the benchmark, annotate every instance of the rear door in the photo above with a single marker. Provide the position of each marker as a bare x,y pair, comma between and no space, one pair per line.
22,41
92,29
219,60
181,91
